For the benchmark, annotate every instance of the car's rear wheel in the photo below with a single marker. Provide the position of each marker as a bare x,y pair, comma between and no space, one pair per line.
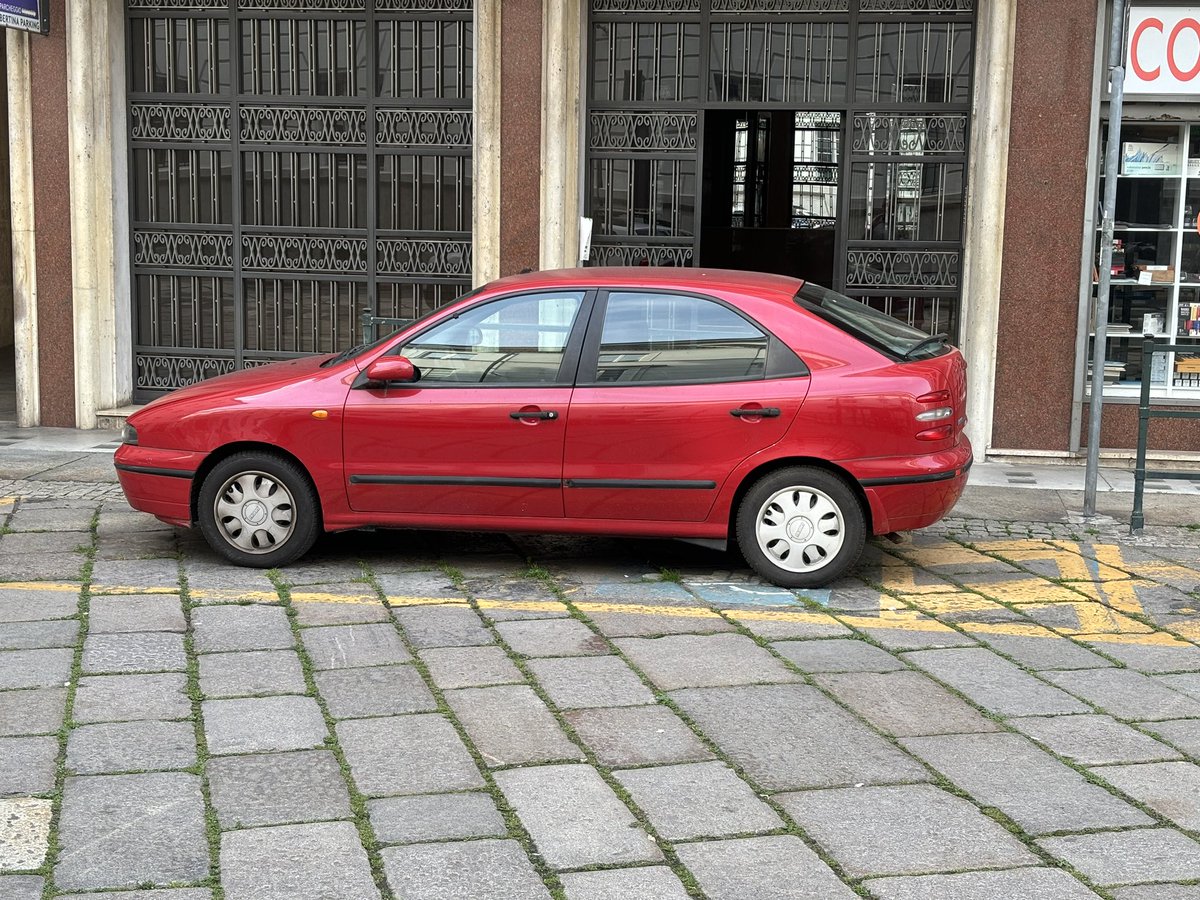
800,527
258,510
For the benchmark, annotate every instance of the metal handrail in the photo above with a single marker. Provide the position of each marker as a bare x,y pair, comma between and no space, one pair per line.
1150,346
369,321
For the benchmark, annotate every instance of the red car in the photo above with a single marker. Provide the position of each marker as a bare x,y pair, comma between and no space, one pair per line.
684,403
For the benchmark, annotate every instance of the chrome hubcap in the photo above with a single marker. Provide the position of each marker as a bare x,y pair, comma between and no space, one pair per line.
800,529
254,512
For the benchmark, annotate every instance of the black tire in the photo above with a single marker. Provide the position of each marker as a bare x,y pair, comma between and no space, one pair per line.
821,532
287,515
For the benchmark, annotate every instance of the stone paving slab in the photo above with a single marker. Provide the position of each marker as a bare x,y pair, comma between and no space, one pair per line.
642,883
788,737
27,765
649,621
259,724
378,691
510,725
354,646
1178,656
697,661
1159,892
442,626
574,818
124,698
765,868
1127,694
146,651
32,711
459,667
903,830
253,673
310,611
220,629
1183,733
435,817
131,746
577,682
323,861
636,736
1045,651
21,887
129,830
1171,789
1039,793
1093,740
169,894
417,754
24,835
135,612
21,605
39,635
904,704
277,788
837,656
698,800
994,683
1026,884
777,625
1128,857
481,870
34,668
551,637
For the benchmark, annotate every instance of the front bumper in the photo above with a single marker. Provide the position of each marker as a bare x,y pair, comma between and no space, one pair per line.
158,481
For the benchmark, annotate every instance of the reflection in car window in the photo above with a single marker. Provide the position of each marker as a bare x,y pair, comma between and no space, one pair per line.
672,338
514,340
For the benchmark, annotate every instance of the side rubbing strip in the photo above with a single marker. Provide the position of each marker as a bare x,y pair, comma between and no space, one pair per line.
908,479
456,480
152,470
641,484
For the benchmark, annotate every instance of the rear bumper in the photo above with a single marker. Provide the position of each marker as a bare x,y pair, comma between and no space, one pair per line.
158,481
913,492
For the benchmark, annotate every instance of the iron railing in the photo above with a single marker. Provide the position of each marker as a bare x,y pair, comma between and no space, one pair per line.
1145,413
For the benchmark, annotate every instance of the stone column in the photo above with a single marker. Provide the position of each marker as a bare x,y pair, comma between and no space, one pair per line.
24,235
99,211
987,186
562,110
485,220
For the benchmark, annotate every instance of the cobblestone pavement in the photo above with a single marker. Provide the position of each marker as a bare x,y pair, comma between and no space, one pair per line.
986,710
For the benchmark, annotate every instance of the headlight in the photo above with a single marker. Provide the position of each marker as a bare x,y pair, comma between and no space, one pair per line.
128,434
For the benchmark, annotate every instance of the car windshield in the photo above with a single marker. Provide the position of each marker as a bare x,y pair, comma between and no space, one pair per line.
870,325
358,349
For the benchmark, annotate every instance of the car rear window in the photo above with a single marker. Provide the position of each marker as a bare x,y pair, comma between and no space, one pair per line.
870,325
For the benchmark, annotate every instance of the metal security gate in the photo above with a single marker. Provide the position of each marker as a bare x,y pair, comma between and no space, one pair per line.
870,100
293,163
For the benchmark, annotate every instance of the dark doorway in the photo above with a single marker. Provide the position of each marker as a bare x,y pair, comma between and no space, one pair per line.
770,191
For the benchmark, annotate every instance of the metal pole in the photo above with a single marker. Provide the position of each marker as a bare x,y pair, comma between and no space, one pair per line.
1116,59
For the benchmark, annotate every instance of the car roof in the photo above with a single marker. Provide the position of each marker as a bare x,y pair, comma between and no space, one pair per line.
659,277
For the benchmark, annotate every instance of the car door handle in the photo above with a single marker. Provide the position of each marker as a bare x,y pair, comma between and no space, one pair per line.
765,412
533,414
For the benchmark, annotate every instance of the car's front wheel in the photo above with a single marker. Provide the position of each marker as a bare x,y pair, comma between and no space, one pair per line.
800,527
258,510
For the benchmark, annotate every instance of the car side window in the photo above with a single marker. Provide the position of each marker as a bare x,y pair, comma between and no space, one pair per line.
514,340
672,338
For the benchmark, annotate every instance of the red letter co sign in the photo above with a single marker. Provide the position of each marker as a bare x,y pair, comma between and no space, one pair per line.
1164,50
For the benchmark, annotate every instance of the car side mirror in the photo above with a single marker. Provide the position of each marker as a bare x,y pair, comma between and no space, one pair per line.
392,369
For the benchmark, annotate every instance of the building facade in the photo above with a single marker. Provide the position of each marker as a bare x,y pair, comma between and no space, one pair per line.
204,185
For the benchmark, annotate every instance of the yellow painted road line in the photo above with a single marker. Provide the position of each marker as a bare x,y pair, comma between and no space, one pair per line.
686,612
55,587
426,601
317,597
528,605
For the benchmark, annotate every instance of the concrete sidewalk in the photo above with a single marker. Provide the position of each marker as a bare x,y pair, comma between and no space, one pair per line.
1004,706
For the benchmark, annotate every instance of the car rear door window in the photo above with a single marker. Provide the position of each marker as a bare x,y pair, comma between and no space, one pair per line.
662,338
514,340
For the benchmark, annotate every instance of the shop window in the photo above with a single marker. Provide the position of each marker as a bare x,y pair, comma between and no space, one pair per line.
1155,275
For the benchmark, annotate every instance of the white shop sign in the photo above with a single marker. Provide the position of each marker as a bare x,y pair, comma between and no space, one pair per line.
1163,50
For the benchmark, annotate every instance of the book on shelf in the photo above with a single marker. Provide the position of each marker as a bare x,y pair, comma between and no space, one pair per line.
1189,320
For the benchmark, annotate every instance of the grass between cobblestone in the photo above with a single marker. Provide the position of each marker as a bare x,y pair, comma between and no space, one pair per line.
60,775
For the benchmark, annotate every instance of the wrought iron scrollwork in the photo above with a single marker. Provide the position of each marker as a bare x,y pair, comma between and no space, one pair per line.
645,6
423,127
304,254
424,256
165,373
650,131
780,6
303,5
186,249
186,122
910,135
909,6
605,254
443,6
902,268
303,125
